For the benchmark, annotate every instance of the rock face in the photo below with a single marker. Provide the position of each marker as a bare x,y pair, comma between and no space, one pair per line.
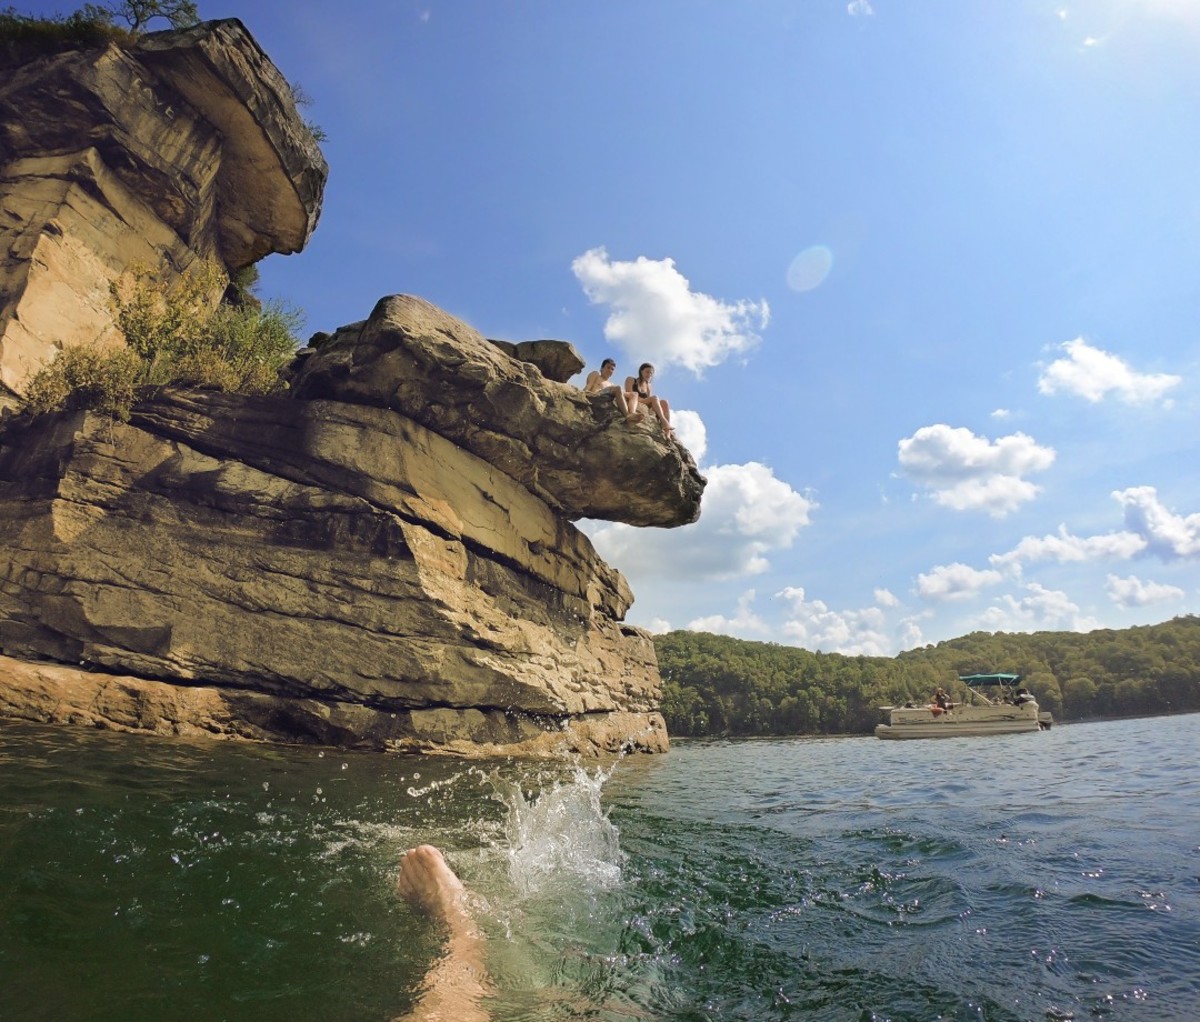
556,360
563,445
182,146
331,568
384,558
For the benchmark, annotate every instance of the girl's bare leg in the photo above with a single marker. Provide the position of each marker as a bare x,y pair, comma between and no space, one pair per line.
663,411
629,405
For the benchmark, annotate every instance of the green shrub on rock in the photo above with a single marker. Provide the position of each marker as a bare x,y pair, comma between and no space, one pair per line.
177,334
88,377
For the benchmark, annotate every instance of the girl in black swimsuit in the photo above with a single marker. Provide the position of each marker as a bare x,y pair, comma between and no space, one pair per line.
639,387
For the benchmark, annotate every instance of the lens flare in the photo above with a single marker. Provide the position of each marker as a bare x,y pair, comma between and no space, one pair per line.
810,268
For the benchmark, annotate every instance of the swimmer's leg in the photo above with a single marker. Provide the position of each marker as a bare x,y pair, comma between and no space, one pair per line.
458,981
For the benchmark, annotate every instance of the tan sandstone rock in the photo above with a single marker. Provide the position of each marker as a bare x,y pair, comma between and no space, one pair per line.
573,450
556,360
54,694
315,551
385,558
184,146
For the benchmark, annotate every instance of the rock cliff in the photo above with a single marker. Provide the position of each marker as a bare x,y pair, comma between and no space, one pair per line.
337,565
183,145
552,438
383,557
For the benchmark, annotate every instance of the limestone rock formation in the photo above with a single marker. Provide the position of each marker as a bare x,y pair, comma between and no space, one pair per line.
556,360
323,554
566,446
383,558
184,145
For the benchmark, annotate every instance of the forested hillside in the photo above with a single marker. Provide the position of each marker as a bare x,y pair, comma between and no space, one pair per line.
714,684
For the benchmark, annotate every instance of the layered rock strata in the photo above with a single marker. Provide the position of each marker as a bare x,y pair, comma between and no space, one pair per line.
385,557
552,438
185,145
324,568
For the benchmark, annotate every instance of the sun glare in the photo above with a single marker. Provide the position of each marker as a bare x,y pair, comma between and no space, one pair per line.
1182,10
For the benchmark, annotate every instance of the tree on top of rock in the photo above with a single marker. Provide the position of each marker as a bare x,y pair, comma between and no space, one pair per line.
138,13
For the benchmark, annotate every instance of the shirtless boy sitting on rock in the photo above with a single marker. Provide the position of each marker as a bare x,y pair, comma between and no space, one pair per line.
598,381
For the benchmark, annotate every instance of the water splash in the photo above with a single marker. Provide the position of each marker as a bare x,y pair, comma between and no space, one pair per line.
557,837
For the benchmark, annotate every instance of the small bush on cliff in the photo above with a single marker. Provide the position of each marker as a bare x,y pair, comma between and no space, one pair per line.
138,13
24,34
176,334
85,377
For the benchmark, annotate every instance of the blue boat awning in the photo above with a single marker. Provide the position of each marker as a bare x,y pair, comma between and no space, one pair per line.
981,680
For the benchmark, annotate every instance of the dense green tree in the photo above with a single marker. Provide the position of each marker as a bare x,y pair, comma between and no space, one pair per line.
714,684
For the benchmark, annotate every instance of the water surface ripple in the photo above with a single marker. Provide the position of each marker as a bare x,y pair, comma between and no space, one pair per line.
1028,877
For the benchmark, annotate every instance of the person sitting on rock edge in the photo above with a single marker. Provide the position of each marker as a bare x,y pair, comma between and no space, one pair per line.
597,381
638,387
458,981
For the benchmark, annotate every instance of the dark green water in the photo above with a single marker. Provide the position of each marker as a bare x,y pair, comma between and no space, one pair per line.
1045,876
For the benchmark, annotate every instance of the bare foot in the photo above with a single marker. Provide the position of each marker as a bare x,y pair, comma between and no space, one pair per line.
458,981
635,417
428,883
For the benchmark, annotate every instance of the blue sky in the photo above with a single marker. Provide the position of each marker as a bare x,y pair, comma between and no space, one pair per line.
920,279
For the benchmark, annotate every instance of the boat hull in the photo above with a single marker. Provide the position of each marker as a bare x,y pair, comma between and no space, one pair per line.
923,722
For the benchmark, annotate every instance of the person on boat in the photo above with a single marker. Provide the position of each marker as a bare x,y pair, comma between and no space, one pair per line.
1022,697
941,700
638,387
598,381
458,981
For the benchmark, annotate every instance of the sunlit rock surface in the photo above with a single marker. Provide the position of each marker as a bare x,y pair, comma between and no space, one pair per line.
341,555
573,450
383,558
186,145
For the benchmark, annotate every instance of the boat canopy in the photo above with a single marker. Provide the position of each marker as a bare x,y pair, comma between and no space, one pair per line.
984,680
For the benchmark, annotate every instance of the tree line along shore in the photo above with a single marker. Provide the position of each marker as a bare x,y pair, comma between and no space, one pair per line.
718,685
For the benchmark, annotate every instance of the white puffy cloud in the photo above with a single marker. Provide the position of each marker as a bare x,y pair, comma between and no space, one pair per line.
1150,528
1166,534
885,598
1040,609
966,472
1133,592
691,432
1093,374
859,9
747,512
955,582
657,625
911,635
655,316
814,626
745,624
1065,548
997,495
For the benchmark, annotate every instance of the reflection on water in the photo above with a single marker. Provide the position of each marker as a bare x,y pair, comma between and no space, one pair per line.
1024,877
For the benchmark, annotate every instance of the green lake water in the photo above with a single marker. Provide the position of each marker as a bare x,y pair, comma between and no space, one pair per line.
1045,876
